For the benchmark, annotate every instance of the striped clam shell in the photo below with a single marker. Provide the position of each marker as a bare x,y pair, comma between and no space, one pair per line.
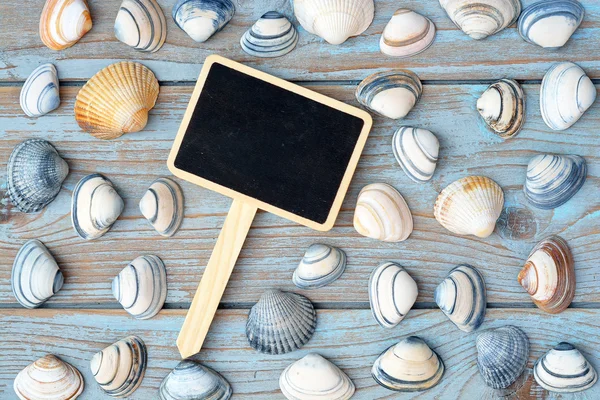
64,22
564,369
192,380
502,107
408,33
392,292
321,265
40,93
141,24
49,378
271,36
550,23
416,150
390,94
201,19
162,206
482,18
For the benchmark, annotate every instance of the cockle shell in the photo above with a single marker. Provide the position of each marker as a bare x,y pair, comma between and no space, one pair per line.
565,95
191,380
116,100
35,173
390,94
280,322
564,369
119,369
321,265
271,36
550,23
553,179
408,366
64,22
408,33
49,378
461,296
482,18
162,205
416,150
502,107
95,206
392,292
470,206
40,93
313,377
201,19
141,24
334,20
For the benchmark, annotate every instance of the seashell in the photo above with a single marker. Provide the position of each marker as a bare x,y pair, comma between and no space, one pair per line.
553,179
408,33
321,265
392,292
141,24
502,107
162,205
565,95
470,206
564,369
550,23
408,366
64,22
119,369
549,275
40,93
280,322
416,150
313,377
271,36
116,100
35,173
49,378
35,275
141,287
192,380
502,355
335,20
95,206
381,213
390,94
482,18
461,296
201,19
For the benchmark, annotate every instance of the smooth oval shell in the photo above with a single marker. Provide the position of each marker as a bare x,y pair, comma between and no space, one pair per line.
49,378
201,19
271,36
119,369
321,265
64,22
550,23
408,33
162,206
390,94
416,150
141,24
482,18
191,380
564,369
502,107
470,206
40,93
392,293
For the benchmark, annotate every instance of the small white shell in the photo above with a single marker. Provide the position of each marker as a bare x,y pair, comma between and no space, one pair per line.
390,94
482,18
162,205
416,150
564,369
408,33
201,19
49,378
64,22
502,107
271,36
321,265
40,93
141,24
191,380
550,23
392,292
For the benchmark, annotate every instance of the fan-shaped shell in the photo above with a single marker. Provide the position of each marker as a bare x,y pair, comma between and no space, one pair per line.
49,378
392,293
416,150
321,265
162,205
271,36
64,22
550,23
314,377
40,93
408,33
470,206
280,322
192,380
119,369
482,18
335,20
390,94
201,19
116,100
408,366
141,24
564,369
95,206
502,107
35,173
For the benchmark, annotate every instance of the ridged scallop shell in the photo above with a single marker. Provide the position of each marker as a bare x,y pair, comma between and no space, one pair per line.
408,33
416,150
313,377
95,206
564,369
461,296
141,24
192,380
49,378
565,95
40,93
470,206
553,179
550,23
141,287
280,322
390,94
482,18
334,20
162,206
321,265
502,107
35,173
271,36
408,366
64,22
201,19
116,100
392,293
119,369
502,355
549,275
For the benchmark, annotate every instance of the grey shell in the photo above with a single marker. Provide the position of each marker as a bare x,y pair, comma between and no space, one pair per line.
191,380
273,35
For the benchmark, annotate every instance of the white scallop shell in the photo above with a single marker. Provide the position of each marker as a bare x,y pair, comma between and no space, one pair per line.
64,22
550,23
408,33
191,380
141,24
272,35
40,93
321,265
49,378
162,206
502,107
416,150
390,94
482,18
392,293
564,369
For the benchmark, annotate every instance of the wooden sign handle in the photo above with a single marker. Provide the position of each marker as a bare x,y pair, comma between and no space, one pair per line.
215,278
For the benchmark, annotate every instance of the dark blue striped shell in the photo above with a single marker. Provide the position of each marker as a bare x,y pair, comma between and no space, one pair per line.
534,22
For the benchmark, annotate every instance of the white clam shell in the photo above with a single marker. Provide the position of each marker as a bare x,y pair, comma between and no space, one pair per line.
392,293
416,150
141,24
201,19
273,35
191,380
321,265
482,18
408,33
40,93
390,94
162,206
64,22
49,378
550,23
502,107
564,369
